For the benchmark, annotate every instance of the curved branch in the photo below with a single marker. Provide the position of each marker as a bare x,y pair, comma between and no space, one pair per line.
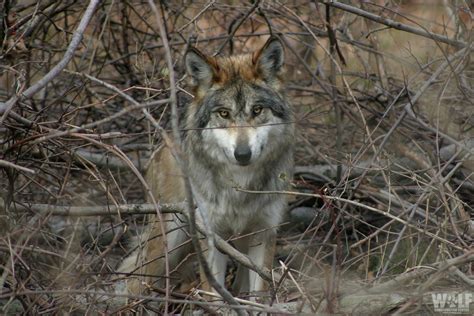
394,24
53,73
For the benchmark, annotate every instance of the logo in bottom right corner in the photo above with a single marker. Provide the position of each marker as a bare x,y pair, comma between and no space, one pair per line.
452,303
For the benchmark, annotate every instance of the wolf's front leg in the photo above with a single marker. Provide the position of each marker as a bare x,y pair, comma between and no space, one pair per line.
217,264
262,255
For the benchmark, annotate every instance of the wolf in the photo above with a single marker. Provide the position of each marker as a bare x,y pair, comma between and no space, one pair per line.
238,133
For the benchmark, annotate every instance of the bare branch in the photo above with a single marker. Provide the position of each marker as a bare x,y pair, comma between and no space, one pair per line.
182,162
76,39
394,24
7,164
103,210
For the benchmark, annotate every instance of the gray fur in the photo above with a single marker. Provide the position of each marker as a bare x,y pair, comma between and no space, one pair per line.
198,68
257,118
215,175
271,59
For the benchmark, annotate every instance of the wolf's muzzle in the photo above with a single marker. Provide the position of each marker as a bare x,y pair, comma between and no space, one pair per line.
242,154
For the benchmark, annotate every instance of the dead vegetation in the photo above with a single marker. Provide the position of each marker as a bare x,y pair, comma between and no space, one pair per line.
381,211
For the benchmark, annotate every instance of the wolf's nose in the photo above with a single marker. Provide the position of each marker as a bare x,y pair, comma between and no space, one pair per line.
243,154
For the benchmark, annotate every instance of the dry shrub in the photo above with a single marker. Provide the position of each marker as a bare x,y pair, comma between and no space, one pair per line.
384,147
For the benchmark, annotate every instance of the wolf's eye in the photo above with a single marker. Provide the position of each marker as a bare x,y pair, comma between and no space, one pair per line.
224,114
257,110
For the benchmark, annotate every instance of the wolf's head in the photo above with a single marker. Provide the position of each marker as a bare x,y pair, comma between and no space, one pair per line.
239,112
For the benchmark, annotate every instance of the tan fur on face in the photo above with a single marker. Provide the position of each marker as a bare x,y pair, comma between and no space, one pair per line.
227,70
234,67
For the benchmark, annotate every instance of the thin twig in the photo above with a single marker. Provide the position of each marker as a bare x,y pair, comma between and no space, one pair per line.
234,29
101,210
394,24
367,207
7,164
76,39
182,163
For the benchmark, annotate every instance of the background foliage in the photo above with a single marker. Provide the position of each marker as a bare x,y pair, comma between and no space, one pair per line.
384,147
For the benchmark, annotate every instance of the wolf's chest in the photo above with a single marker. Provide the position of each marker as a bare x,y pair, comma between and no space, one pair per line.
230,212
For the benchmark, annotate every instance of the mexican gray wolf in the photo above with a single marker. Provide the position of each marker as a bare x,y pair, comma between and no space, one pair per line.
238,134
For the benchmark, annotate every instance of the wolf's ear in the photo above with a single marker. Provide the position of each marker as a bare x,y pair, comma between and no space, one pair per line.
199,67
270,58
